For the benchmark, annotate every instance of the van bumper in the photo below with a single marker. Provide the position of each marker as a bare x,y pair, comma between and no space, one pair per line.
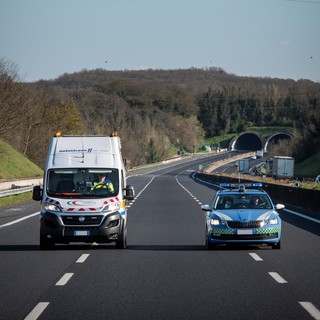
81,228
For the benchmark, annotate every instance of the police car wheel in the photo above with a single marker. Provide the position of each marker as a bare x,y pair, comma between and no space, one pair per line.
276,245
209,245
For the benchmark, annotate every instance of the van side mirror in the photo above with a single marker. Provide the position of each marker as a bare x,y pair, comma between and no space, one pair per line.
37,193
129,192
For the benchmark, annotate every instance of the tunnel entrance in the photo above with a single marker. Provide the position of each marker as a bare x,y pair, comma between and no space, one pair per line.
250,141
276,138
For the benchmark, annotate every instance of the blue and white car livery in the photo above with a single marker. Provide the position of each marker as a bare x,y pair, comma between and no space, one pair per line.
242,215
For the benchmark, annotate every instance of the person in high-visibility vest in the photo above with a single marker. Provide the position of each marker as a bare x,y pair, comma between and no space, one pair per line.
103,183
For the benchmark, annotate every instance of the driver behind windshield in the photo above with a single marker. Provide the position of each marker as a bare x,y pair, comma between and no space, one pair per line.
103,183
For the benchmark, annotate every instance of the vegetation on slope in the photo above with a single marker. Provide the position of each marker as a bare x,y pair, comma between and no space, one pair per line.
14,165
155,111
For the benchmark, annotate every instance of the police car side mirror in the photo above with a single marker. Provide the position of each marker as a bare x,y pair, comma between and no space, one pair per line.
129,192
37,193
205,207
280,206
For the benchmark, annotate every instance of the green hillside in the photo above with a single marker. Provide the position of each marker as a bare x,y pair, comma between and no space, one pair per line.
309,168
13,165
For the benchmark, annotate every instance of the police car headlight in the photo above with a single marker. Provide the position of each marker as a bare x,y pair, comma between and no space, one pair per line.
51,207
263,223
112,207
215,222
274,221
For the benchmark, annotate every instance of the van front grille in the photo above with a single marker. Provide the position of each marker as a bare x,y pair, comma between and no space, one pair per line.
82,220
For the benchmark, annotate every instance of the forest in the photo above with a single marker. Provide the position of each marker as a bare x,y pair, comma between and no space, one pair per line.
155,112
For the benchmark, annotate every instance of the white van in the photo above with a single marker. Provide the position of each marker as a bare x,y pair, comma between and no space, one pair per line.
84,192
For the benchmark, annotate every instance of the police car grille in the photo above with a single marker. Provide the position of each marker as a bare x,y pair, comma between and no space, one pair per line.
241,224
81,220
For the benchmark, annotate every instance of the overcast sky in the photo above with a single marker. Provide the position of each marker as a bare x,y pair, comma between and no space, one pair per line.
265,38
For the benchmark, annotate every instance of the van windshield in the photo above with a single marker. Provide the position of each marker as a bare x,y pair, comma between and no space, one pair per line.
89,182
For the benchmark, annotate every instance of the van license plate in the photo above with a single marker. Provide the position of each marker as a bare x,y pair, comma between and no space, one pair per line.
81,232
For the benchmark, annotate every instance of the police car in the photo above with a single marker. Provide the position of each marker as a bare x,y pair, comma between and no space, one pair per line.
243,214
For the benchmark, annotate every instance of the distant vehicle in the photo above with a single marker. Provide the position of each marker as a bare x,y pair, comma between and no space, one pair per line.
244,165
240,215
259,153
282,167
84,192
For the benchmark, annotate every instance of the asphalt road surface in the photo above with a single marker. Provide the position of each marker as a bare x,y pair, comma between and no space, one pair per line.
166,271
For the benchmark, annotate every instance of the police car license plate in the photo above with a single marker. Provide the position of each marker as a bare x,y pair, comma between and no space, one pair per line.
81,232
244,231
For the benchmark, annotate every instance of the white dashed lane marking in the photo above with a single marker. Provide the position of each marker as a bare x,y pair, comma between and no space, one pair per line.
65,278
311,309
255,256
82,258
277,277
37,310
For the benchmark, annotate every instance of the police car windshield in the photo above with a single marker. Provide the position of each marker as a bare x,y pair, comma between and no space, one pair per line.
242,201
89,182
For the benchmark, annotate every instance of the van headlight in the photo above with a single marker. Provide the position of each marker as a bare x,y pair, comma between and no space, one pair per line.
51,207
111,207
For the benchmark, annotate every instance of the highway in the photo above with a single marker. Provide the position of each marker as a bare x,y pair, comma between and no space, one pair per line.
166,271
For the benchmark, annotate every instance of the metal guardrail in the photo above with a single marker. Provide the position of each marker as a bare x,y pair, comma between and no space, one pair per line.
15,190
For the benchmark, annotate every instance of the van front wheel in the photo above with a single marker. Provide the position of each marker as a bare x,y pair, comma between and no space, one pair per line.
122,241
46,244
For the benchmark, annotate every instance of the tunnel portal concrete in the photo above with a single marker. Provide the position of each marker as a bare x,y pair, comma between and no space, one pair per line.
250,141
253,141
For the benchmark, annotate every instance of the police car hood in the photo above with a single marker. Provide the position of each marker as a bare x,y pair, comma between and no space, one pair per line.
243,214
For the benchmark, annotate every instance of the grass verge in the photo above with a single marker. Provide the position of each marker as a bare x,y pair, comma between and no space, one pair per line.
15,199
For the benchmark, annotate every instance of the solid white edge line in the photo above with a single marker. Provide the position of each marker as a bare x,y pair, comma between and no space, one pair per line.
19,220
277,277
37,310
65,278
302,215
255,256
83,258
311,309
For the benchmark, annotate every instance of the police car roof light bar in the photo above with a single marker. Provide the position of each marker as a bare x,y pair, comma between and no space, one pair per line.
241,186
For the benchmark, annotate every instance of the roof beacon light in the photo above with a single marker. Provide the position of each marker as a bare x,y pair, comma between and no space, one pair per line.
257,184
113,134
241,186
57,134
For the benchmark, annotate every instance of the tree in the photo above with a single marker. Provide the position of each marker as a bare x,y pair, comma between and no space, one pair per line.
65,117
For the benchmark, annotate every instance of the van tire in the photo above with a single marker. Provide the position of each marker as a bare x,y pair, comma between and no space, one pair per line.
122,241
46,244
